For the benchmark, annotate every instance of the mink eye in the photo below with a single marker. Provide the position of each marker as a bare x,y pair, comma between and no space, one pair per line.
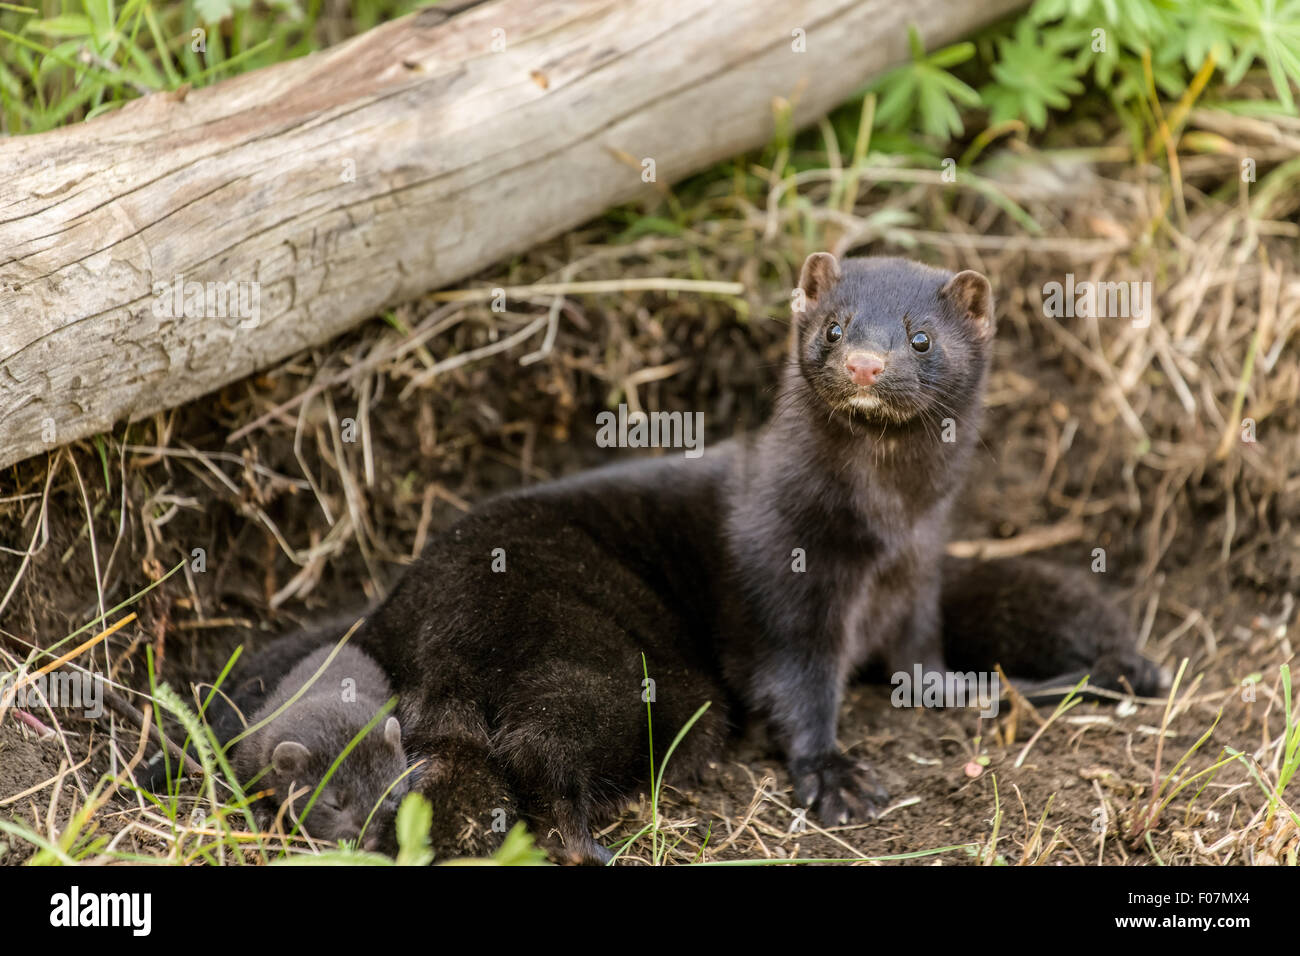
834,333
921,342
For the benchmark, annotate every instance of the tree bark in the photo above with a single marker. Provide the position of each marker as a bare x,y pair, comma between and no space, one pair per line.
320,191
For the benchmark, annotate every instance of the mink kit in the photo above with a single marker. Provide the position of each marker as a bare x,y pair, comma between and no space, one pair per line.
759,578
285,716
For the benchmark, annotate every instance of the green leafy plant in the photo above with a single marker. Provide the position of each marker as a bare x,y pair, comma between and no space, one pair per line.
1264,30
414,818
1111,37
1141,19
94,55
1060,50
1033,73
925,90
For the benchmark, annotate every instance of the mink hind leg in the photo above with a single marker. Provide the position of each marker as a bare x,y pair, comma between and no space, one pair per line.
449,749
574,735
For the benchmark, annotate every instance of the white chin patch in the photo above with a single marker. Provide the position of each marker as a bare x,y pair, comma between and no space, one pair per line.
867,403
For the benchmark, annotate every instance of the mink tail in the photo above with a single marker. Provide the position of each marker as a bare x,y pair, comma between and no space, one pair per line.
1046,625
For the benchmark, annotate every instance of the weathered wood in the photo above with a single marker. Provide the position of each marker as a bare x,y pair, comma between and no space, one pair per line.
403,160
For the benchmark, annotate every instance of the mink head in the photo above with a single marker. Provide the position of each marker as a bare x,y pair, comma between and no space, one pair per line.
302,758
892,341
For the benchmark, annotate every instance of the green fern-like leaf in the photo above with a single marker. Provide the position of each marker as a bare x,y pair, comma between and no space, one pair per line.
1203,35
1265,30
924,88
1132,21
1034,73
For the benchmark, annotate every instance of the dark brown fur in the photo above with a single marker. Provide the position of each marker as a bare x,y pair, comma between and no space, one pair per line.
864,493
523,687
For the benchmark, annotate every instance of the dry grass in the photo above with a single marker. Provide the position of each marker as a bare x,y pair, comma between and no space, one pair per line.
1101,435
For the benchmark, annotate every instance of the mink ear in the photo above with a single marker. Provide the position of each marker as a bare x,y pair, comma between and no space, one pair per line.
971,293
820,272
289,757
393,734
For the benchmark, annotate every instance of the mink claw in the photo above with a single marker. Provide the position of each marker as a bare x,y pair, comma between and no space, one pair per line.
839,789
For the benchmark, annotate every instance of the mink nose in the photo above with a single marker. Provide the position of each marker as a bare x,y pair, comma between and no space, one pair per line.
864,367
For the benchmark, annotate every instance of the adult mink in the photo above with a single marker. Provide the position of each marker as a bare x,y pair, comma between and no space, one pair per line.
758,577
838,512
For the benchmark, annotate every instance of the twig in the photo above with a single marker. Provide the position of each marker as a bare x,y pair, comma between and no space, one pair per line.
125,708
1033,539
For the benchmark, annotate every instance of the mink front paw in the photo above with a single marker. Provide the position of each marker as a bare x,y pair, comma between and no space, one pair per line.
839,789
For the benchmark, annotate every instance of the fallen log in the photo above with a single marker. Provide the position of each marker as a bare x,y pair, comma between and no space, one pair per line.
190,238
